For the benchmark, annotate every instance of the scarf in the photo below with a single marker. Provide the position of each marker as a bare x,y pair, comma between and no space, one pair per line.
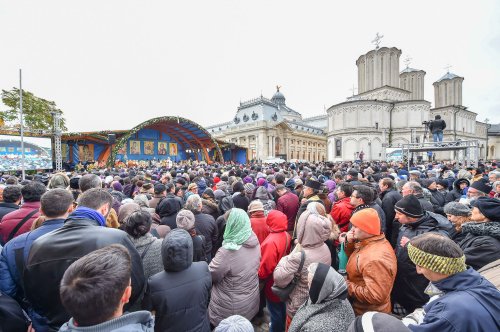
238,229
82,212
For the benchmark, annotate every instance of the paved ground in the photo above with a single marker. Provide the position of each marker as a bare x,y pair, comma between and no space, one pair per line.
261,324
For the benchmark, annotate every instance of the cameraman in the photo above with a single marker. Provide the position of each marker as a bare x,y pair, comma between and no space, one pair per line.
436,127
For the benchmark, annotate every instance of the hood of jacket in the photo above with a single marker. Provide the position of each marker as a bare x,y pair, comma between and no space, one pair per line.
456,184
226,203
262,194
330,185
277,221
252,241
202,185
209,205
177,250
432,220
312,229
490,228
129,322
168,207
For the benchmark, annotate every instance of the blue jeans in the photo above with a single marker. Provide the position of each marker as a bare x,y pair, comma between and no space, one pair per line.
277,311
438,136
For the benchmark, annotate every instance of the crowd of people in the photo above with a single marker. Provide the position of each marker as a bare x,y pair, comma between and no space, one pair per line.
369,246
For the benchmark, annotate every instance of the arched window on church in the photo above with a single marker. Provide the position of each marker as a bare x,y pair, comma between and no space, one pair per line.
338,148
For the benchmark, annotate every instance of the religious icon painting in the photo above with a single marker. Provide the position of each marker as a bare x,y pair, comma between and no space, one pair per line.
149,147
172,149
162,148
135,147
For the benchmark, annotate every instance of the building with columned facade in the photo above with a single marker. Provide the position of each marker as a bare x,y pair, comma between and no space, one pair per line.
270,128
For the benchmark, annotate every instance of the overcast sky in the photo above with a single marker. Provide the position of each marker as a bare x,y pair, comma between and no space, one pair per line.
114,64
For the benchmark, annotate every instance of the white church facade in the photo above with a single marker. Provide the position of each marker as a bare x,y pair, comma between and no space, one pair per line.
390,107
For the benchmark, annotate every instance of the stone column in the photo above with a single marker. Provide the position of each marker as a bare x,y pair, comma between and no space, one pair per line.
270,146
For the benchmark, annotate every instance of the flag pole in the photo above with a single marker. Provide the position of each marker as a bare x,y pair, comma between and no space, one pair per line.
21,121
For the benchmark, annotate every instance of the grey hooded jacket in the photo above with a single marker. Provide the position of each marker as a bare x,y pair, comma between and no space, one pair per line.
139,321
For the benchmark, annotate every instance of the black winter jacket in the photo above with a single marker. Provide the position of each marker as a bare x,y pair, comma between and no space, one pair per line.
389,199
437,125
180,294
409,286
438,201
205,225
481,244
51,254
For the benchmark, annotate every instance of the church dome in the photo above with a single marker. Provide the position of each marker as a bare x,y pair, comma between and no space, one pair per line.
278,98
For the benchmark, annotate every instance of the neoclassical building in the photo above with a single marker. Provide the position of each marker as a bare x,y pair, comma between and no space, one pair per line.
390,107
270,128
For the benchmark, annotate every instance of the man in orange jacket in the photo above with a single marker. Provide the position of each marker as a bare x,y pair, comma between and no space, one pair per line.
372,264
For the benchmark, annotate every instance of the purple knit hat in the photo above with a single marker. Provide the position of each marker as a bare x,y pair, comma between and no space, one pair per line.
247,179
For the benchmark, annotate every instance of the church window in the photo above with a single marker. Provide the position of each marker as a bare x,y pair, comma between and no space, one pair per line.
338,148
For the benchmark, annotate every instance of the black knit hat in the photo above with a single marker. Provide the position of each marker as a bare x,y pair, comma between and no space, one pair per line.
482,186
410,206
313,184
489,207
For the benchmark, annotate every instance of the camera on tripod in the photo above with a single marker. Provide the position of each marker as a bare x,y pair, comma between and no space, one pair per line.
426,123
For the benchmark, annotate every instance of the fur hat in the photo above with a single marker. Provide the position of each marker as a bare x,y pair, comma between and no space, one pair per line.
410,206
185,220
457,209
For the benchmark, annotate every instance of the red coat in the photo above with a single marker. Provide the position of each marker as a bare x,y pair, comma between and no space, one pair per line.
276,245
341,213
289,205
259,226
10,220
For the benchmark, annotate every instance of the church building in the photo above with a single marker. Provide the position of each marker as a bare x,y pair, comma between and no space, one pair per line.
390,107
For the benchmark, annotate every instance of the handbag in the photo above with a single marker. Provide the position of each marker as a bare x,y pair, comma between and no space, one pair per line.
284,293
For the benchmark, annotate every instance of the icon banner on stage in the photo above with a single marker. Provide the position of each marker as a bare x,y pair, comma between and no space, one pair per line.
162,148
149,147
135,147
172,149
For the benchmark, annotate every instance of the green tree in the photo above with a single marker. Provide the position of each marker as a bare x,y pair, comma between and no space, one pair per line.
36,111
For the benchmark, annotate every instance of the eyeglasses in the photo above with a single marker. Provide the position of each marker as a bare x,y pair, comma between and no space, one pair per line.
353,196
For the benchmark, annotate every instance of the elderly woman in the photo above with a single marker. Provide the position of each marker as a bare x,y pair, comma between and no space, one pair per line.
496,189
311,240
458,214
137,226
327,308
234,271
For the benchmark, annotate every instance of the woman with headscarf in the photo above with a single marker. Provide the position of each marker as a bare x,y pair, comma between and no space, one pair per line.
331,186
310,240
234,271
265,198
327,308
